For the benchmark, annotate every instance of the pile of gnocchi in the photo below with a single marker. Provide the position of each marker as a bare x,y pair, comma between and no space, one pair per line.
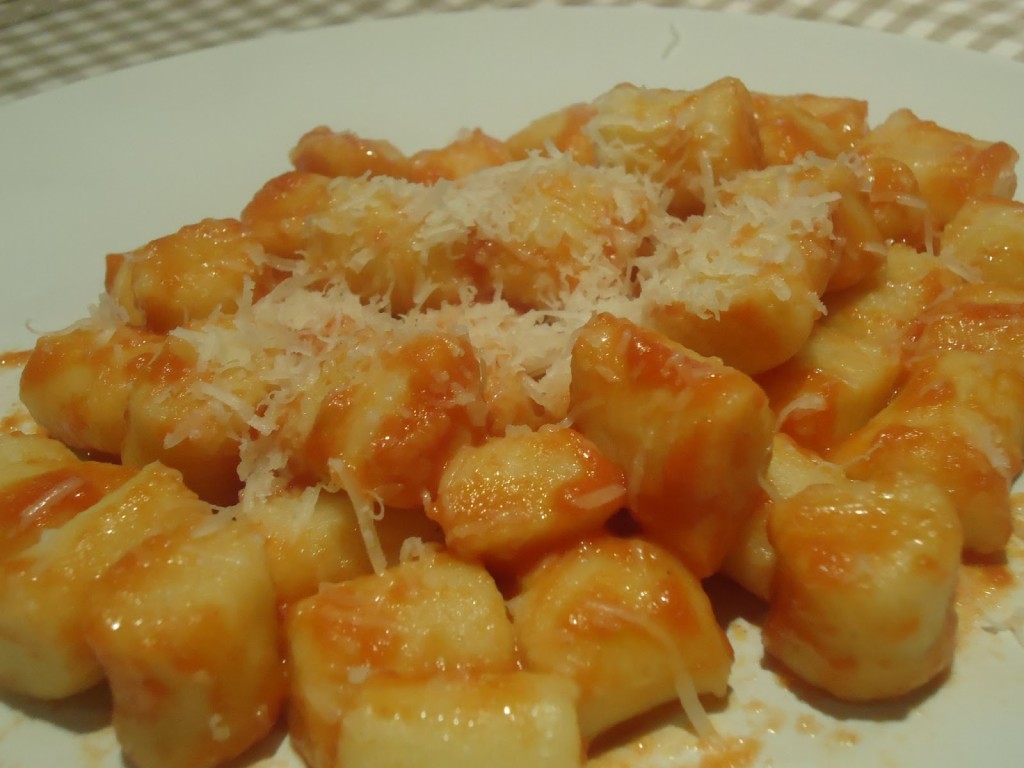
429,456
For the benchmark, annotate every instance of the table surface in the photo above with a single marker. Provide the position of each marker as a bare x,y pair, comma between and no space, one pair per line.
48,43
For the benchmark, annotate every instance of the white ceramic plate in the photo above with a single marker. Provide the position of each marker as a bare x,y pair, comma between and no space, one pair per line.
109,163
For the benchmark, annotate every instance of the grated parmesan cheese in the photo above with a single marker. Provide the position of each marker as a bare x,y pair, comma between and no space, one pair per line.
53,495
808,402
368,510
594,239
599,497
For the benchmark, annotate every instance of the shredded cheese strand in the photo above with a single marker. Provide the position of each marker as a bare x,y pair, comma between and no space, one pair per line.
366,509
685,687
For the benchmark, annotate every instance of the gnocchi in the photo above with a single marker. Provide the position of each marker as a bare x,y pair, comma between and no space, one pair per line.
431,457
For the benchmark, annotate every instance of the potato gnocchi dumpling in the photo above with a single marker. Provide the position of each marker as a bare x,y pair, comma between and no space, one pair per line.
428,456
70,523
852,362
524,493
686,140
506,719
692,481
751,561
986,240
791,126
427,617
186,276
78,382
862,604
629,624
957,419
950,167
185,628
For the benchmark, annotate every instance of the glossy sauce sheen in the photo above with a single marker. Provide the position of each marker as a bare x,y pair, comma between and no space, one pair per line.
14,359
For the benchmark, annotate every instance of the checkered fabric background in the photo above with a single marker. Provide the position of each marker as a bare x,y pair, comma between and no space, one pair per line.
47,43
